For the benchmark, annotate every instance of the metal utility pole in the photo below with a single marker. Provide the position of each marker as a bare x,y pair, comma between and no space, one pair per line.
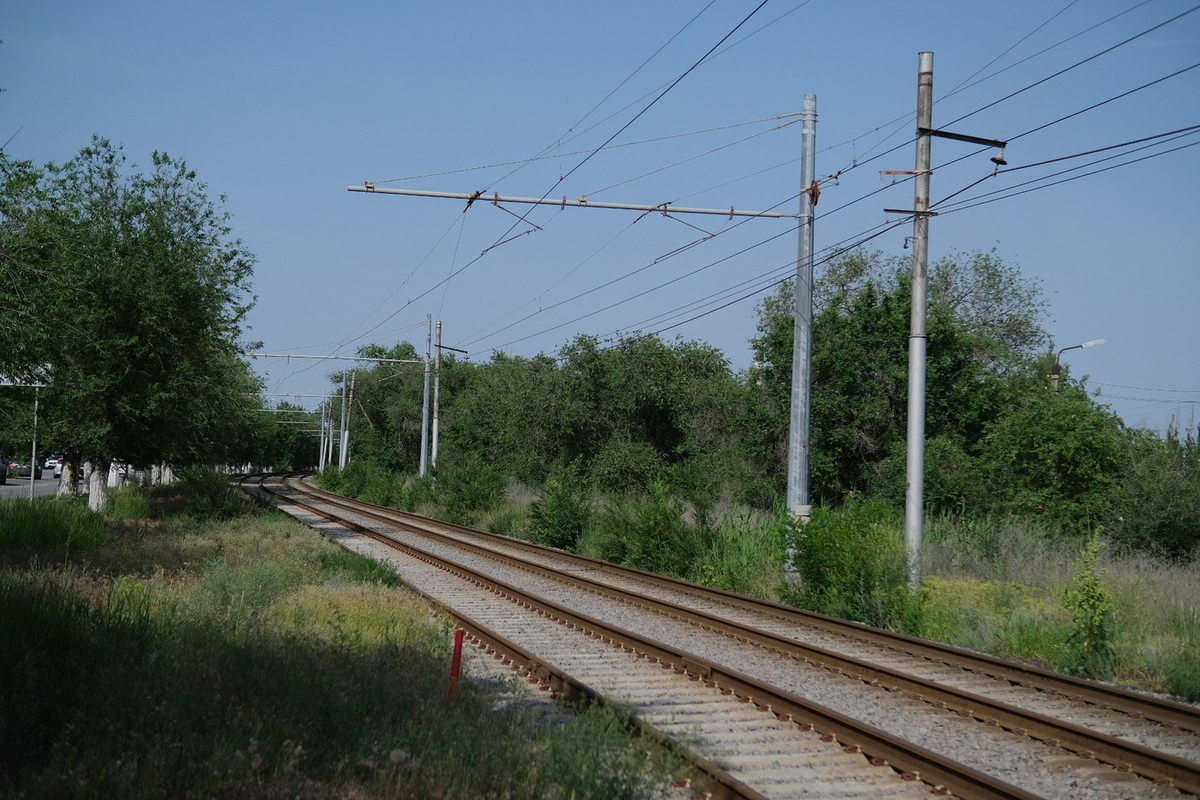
344,427
914,500
801,424
437,383
437,386
425,400
33,455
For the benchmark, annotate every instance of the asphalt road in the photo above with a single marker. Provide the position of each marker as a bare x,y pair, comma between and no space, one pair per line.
19,487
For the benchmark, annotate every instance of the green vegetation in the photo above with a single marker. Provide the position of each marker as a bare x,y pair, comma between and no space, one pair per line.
47,528
193,656
655,455
851,564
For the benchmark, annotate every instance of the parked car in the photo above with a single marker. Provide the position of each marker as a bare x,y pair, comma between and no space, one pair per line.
19,470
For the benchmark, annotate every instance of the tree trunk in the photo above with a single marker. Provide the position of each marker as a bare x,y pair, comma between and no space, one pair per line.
68,484
98,487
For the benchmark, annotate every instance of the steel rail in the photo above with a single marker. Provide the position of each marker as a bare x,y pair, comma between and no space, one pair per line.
1122,754
705,776
911,760
1155,709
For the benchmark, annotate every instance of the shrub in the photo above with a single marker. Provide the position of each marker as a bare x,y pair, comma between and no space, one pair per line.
466,489
851,564
213,494
559,518
743,557
1182,666
645,533
129,502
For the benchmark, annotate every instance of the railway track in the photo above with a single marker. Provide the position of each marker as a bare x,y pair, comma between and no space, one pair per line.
767,700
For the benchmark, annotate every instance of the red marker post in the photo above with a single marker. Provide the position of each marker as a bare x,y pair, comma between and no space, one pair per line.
456,663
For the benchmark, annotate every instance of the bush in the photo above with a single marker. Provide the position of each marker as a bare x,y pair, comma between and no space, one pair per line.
851,565
466,489
645,533
213,494
743,557
559,518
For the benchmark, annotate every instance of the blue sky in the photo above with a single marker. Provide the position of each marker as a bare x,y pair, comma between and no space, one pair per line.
281,106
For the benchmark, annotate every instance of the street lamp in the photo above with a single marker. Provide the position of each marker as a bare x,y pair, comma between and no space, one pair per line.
1056,370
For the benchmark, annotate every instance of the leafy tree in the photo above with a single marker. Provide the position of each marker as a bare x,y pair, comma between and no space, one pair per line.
997,306
860,381
139,294
386,407
1156,503
1054,454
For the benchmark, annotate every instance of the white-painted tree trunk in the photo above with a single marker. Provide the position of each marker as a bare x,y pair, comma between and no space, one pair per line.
67,485
98,489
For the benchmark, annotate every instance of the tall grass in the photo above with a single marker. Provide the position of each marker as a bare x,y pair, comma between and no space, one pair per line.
48,526
999,584
254,658
1005,593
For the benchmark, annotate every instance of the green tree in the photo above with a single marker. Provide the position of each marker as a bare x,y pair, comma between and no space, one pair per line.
1053,454
140,293
1155,505
860,382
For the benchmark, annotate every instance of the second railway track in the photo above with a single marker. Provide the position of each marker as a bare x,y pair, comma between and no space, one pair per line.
771,701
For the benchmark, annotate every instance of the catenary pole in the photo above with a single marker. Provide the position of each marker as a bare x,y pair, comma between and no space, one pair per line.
342,428
918,339
437,386
801,424
914,500
425,400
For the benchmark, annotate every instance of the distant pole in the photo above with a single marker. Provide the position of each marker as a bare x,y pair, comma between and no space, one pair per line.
801,425
321,445
349,406
33,455
425,401
342,427
914,501
437,385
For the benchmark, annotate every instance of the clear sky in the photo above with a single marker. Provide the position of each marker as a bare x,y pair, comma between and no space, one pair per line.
281,106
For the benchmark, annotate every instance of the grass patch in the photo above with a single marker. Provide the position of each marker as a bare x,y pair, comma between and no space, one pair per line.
129,502
47,527
252,657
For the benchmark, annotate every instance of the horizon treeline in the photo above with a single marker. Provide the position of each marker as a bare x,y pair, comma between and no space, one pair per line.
644,414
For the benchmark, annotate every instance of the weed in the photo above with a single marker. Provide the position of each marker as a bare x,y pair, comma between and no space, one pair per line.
1090,643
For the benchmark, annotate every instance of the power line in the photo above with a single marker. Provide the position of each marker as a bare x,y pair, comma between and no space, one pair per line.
1077,64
